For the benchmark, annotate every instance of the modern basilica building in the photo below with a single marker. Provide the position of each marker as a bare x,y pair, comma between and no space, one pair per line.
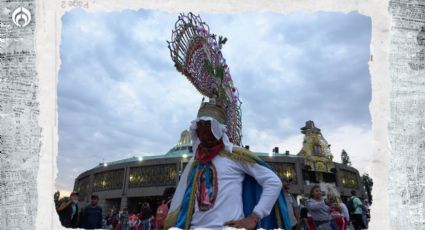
130,182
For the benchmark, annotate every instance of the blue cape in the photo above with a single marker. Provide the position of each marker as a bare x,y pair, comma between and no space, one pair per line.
251,193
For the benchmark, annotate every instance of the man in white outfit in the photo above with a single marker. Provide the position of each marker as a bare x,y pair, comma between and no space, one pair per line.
210,191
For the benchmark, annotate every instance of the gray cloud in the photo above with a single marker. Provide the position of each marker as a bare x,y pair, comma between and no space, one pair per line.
300,67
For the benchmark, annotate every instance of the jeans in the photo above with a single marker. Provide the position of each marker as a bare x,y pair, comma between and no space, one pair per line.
124,226
357,221
146,224
334,226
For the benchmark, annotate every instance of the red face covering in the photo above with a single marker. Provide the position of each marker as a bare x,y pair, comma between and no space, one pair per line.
209,146
204,154
205,135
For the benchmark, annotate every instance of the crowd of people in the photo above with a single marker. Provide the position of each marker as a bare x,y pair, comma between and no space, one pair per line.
319,212
326,211
90,217
70,216
143,220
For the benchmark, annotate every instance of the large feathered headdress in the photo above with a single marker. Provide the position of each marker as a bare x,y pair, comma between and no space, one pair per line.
197,54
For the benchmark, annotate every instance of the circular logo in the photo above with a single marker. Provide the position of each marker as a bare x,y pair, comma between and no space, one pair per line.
21,17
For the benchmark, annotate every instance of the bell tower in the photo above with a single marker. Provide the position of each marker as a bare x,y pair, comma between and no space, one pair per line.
316,149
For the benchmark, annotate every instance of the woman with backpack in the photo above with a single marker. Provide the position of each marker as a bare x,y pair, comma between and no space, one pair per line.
354,205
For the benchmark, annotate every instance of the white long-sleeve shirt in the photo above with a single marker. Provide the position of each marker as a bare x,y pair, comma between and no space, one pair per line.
228,204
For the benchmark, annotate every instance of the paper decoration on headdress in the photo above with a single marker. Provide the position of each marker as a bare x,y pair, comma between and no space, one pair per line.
197,54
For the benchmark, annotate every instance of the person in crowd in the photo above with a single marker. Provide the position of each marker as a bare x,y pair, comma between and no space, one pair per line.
345,214
291,204
337,221
319,209
104,223
356,212
123,219
366,208
303,225
91,215
115,219
134,222
365,214
163,207
147,214
161,214
108,219
67,208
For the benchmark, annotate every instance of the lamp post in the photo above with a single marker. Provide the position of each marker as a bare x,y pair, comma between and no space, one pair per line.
184,156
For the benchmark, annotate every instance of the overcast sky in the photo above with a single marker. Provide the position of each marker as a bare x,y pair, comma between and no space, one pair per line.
119,94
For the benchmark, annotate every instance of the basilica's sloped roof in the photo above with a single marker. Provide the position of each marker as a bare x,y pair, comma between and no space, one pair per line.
183,148
176,152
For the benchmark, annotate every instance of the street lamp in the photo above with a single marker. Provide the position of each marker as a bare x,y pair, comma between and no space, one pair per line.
184,156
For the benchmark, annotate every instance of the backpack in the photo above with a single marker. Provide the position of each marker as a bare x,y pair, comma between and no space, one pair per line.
350,206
